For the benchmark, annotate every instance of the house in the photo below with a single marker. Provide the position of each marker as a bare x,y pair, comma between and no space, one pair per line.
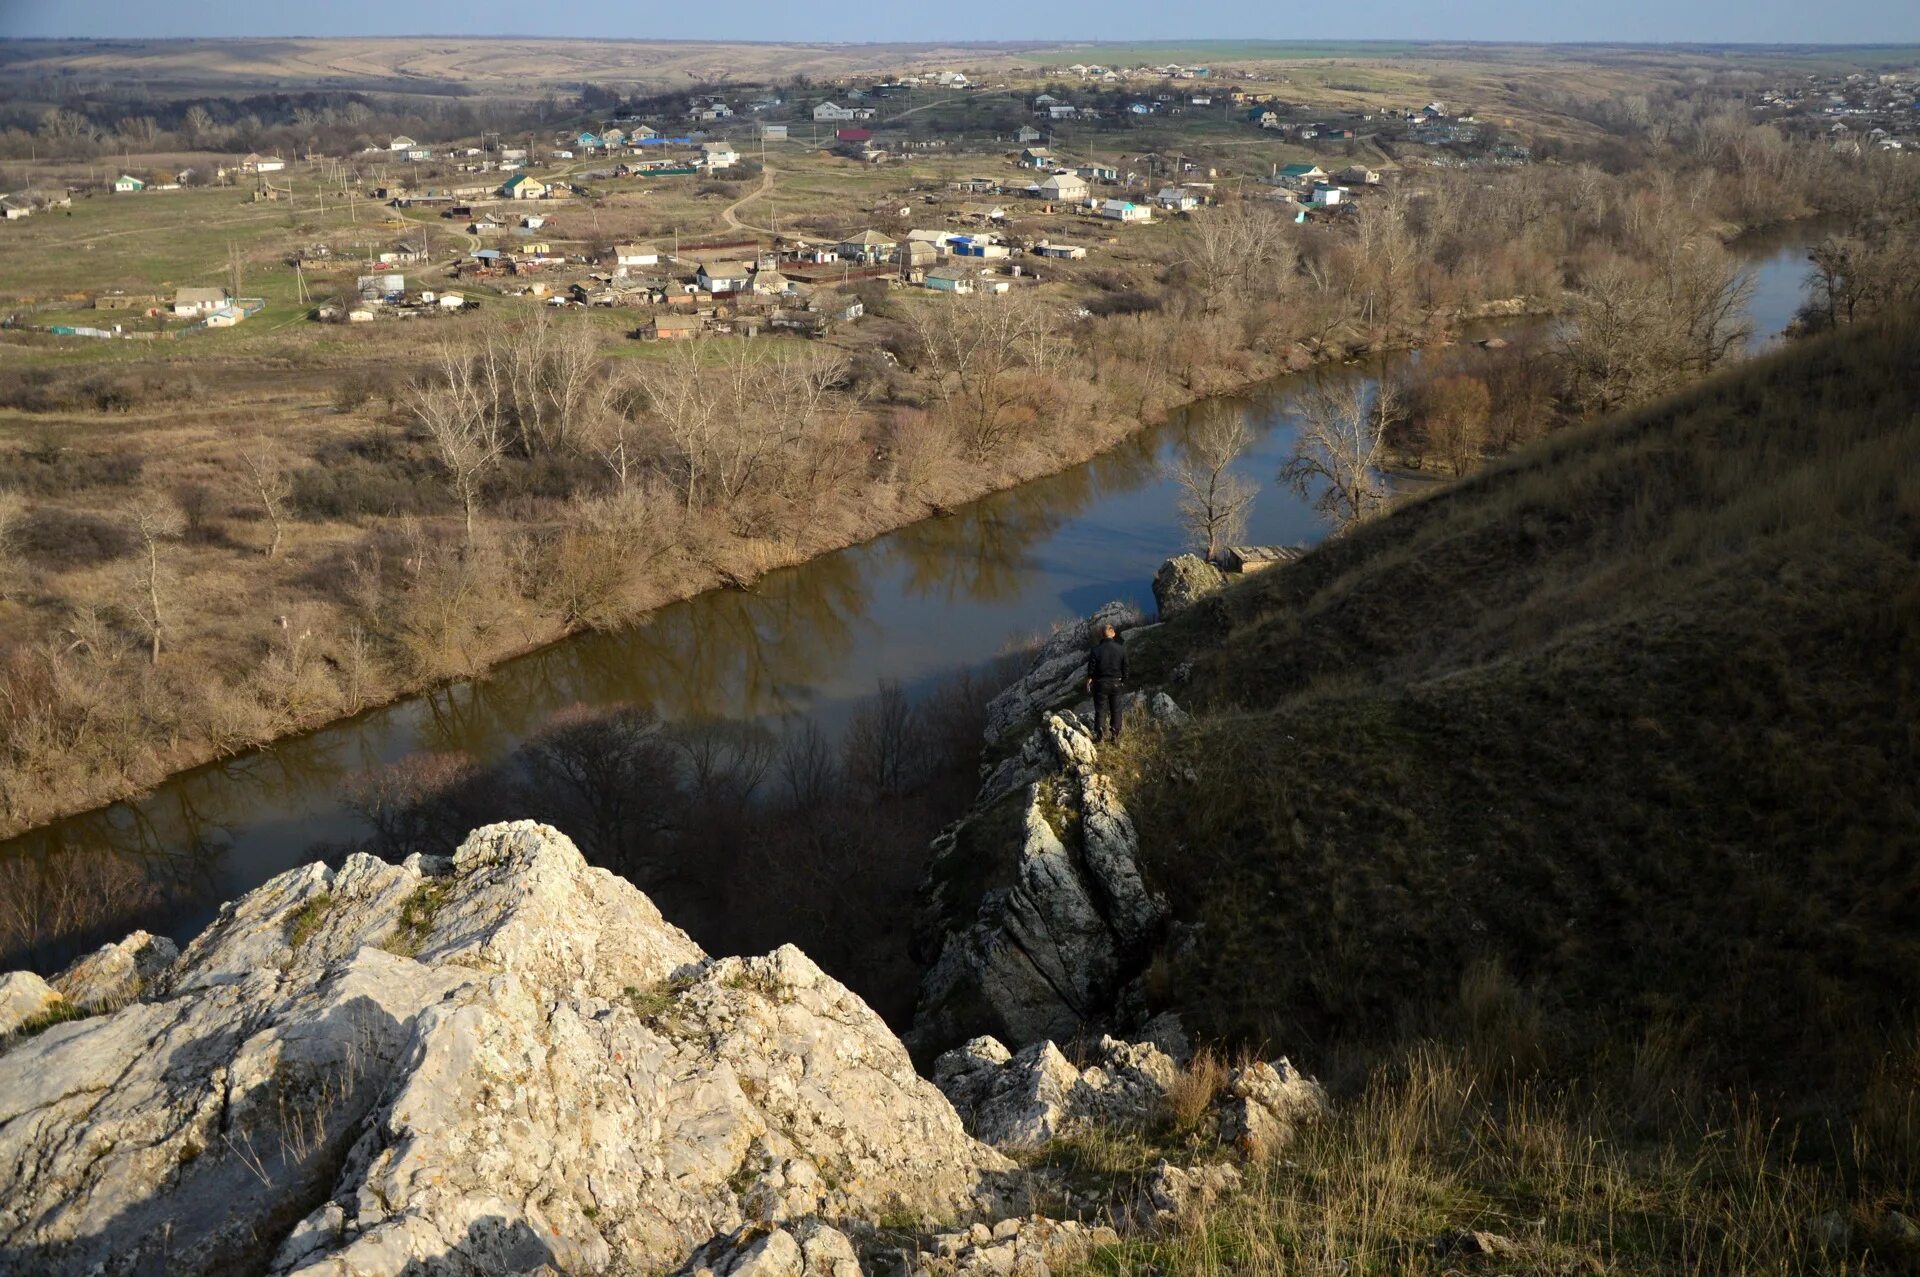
611,138
983,212
915,255
513,155
1265,117
1359,175
950,279
262,164
1326,195
1067,252
523,186
225,317
14,212
833,111
1026,133
673,328
1063,111
641,133
1126,211
1178,198
977,246
1301,174
771,283
192,303
723,277
123,184
533,221
402,143
1098,172
718,155
587,142
1043,101
868,247
1064,188
626,255
774,132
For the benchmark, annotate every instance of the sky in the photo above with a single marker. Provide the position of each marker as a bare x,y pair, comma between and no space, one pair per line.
1634,21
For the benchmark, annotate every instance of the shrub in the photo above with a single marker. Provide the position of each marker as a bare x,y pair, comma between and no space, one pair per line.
62,540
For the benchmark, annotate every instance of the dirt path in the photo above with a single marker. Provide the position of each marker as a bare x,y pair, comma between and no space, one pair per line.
731,214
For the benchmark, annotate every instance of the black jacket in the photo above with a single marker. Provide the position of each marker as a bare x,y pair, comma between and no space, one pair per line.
1108,661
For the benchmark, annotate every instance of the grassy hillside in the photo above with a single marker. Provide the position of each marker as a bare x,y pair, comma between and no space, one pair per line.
1627,727
1566,823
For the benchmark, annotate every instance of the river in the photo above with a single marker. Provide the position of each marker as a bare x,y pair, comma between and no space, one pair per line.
809,642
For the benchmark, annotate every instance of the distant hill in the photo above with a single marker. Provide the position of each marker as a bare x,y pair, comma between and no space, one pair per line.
1631,721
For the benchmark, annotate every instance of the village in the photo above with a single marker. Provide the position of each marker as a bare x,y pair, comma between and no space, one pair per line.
927,182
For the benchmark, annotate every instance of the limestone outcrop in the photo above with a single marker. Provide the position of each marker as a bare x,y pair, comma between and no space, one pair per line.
490,1062
1055,676
1022,1101
1035,910
1184,580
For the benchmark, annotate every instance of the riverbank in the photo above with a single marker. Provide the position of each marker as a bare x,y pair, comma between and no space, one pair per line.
725,562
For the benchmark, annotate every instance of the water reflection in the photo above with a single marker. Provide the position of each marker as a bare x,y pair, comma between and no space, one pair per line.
804,646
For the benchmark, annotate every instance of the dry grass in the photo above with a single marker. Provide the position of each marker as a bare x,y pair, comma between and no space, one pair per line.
1429,1153
1593,779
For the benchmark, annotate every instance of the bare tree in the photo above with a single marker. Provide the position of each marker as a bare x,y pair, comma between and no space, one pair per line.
1240,251
552,367
1640,332
1213,499
1456,411
683,404
460,411
274,485
156,520
975,348
1339,447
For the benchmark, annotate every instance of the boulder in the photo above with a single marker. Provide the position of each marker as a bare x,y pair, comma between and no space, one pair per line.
1265,1106
1032,1247
1171,1196
806,1248
116,974
23,995
490,1063
1184,580
1019,1101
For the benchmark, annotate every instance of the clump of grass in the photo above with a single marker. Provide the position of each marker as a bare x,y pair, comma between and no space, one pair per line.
659,1005
417,913
1189,1101
304,921
61,1012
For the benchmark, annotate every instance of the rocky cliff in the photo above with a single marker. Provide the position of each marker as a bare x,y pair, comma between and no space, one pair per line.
1035,913
492,1062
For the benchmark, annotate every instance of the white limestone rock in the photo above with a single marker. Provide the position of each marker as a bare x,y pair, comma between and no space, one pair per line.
1031,1247
1057,672
116,974
23,995
1046,949
498,1063
1020,1101
1171,1196
1265,1106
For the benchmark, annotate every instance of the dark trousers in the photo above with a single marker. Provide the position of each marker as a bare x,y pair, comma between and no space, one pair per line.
1106,708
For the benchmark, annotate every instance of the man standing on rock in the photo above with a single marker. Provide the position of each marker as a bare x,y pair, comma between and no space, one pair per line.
1106,676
